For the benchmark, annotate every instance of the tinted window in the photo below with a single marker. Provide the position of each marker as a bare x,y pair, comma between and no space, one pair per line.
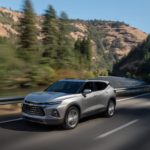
65,87
89,85
100,86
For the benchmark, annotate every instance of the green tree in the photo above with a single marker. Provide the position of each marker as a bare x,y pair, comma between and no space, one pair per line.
28,32
77,45
87,49
50,32
77,48
65,48
83,50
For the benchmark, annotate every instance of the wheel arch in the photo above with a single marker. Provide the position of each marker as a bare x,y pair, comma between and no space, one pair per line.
113,99
75,105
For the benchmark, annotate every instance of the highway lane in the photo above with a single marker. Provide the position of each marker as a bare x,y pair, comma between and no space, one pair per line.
128,129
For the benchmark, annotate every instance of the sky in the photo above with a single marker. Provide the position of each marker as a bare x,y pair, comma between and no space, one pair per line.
133,12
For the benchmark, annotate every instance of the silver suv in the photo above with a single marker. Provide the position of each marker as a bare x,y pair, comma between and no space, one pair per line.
67,101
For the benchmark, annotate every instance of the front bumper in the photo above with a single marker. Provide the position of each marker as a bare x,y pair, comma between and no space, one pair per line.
46,116
42,120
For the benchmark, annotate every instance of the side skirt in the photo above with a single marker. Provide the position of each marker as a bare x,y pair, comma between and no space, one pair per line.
95,112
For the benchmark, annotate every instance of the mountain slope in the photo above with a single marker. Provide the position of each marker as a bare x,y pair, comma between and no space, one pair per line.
109,37
117,37
137,63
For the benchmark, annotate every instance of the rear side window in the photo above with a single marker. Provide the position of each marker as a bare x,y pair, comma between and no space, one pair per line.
100,86
89,85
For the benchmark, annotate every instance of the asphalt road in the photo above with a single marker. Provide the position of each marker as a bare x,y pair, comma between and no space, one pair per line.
129,129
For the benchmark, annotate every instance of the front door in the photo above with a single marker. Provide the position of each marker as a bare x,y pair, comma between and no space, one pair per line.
89,100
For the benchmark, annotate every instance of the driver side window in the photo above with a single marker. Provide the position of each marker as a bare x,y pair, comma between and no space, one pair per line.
99,86
89,85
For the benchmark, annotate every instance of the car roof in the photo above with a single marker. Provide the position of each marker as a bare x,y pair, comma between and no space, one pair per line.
86,80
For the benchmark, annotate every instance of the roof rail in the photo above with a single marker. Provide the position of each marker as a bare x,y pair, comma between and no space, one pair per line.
71,79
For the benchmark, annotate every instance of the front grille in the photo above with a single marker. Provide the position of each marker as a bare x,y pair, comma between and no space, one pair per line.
33,110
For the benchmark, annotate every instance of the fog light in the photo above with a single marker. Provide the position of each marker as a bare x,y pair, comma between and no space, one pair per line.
55,113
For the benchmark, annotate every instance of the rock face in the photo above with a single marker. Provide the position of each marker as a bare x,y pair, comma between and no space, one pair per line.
6,30
13,14
8,21
123,39
117,39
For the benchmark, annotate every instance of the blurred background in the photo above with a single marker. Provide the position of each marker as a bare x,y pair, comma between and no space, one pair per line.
37,49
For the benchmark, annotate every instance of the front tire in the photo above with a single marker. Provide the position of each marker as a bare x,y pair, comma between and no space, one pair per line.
71,118
111,108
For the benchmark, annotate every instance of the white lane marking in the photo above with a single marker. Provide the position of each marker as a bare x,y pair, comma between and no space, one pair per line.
124,99
12,120
117,129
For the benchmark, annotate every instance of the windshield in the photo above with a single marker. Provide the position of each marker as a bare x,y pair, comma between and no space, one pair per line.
65,87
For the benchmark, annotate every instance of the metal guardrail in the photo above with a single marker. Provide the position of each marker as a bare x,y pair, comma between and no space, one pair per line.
128,91
132,88
119,92
11,100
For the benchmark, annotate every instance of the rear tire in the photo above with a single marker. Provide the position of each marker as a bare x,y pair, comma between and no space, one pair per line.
111,108
71,118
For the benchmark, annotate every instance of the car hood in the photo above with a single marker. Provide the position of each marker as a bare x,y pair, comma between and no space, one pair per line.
44,97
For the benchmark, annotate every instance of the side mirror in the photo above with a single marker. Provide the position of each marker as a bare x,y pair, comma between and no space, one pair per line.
87,91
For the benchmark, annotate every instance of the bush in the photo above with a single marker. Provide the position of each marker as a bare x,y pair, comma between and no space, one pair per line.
102,72
88,74
42,75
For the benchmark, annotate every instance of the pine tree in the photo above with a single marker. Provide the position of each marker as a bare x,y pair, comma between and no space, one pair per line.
77,48
84,51
50,32
88,49
28,31
65,49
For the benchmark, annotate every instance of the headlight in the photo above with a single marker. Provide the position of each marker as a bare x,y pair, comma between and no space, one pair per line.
53,103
